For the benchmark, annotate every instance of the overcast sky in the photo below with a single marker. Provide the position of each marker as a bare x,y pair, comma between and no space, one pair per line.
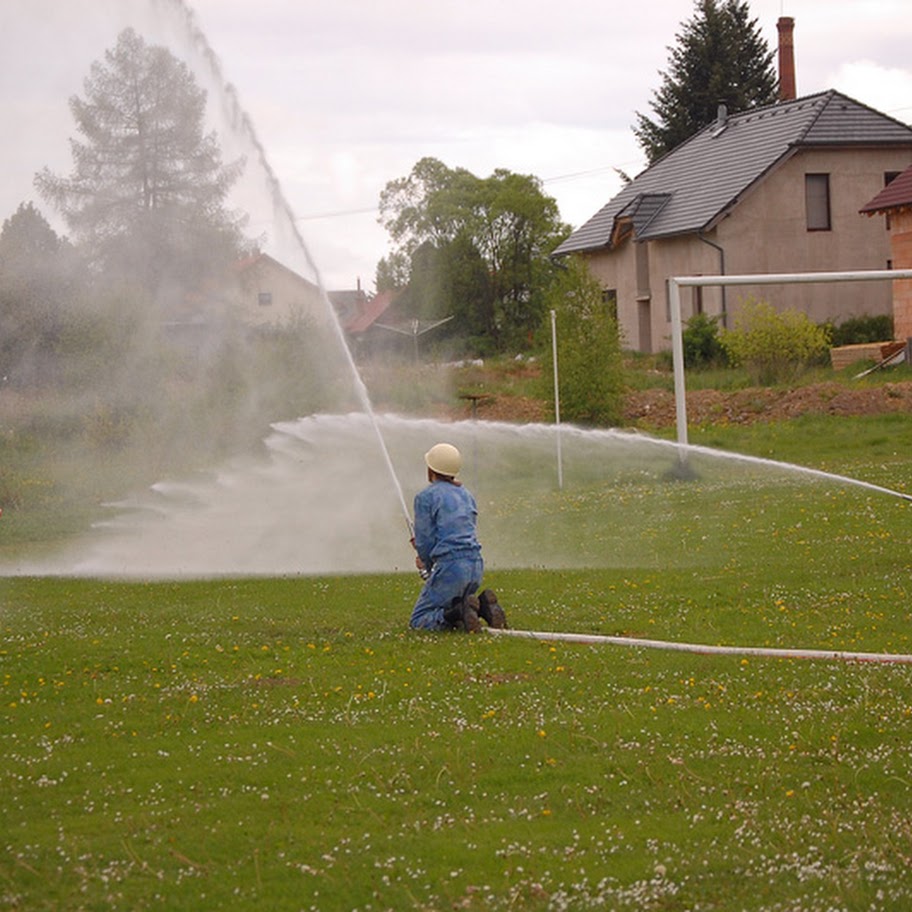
346,95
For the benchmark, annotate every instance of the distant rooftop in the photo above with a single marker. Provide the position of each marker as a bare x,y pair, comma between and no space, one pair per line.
896,195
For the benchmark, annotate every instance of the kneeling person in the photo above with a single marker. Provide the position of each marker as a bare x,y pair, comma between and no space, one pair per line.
448,549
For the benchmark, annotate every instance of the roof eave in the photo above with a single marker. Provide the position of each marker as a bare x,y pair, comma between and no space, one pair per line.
558,253
895,209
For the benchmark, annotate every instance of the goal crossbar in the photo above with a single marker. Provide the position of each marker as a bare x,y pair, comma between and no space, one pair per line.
677,334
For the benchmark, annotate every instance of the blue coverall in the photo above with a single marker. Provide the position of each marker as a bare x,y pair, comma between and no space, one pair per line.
445,539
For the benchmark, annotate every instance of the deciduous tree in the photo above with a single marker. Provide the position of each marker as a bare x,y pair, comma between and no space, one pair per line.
480,246
589,352
40,280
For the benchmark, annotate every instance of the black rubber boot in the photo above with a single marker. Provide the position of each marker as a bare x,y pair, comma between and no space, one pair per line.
490,611
470,621
453,615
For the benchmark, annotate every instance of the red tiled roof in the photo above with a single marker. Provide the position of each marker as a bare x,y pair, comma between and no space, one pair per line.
373,310
896,195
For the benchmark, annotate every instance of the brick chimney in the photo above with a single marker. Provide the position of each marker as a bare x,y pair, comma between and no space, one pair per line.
786,26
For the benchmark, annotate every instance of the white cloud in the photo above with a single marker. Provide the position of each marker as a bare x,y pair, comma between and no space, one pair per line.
891,86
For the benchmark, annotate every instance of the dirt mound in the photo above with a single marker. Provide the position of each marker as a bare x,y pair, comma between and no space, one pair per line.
515,409
655,408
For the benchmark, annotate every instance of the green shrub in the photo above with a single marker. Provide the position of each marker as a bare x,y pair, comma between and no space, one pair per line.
858,330
702,347
773,346
589,353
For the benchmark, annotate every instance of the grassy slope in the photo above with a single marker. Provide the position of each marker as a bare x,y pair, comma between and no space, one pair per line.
189,746
287,744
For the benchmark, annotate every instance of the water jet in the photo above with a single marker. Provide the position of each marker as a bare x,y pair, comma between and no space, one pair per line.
312,503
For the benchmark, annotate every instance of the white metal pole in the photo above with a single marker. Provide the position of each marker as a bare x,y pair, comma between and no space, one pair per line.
796,278
677,354
560,465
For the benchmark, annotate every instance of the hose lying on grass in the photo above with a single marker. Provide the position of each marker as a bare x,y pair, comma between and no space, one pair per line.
761,651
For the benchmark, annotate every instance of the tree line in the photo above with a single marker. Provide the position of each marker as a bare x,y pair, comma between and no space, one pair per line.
146,208
126,333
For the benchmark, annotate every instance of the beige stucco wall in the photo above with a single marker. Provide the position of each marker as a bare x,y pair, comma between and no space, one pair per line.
292,297
672,257
618,272
767,233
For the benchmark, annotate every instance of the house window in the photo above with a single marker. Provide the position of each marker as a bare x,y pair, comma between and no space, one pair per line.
264,299
610,300
817,201
697,299
889,177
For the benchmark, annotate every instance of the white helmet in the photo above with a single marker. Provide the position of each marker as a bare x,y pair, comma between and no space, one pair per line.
444,459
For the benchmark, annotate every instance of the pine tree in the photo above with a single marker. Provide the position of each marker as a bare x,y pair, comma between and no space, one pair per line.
720,58
147,191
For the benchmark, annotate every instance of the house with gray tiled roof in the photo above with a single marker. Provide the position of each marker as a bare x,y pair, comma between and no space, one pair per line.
775,189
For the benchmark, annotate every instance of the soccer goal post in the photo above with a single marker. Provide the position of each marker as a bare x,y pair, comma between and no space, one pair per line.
677,333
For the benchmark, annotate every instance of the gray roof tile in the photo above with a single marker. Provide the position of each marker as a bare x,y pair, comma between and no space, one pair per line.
705,176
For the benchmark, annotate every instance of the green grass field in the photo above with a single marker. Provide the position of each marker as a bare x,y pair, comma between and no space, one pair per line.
287,744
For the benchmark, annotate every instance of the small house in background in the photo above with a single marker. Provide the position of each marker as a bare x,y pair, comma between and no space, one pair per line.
359,314
895,203
774,189
269,293
258,293
368,314
771,190
349,304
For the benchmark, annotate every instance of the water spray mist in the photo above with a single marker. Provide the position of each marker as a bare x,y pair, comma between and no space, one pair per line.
241,122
